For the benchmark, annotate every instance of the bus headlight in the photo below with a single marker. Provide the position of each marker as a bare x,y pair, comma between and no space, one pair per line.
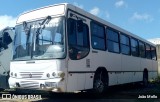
48,75
61,74
15,74
11,74
54,74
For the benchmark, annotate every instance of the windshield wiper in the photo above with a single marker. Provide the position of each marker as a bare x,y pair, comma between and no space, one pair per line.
39,31
42,25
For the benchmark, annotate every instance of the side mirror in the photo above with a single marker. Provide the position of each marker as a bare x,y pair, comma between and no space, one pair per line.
80,25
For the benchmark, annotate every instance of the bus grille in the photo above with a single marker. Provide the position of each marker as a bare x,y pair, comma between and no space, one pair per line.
29,84
31,75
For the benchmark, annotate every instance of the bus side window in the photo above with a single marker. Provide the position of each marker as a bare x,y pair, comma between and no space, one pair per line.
125,44
112,40
153,53
134,47
98,36
148,52
78,40
142,51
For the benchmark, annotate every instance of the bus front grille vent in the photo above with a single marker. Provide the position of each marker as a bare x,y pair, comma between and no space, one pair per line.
29,84
31,74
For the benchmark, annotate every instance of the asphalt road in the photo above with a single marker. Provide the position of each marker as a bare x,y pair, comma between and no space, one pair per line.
120,93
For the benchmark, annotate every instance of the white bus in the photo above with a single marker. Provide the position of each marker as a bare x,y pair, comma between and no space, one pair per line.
6,38
64,49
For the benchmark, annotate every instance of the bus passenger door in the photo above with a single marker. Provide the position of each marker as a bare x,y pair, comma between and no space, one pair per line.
78,50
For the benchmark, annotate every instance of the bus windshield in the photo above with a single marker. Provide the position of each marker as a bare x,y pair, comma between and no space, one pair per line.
35,40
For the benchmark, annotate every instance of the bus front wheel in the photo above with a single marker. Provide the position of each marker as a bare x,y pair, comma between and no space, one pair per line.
100,83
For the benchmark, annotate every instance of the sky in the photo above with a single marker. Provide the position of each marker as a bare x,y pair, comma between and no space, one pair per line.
140,17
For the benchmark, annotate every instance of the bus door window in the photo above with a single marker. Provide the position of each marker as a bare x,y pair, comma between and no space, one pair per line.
78,39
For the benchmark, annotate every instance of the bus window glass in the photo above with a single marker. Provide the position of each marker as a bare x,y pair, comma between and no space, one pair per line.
98,43
134,47
97,30
78,41
98,39
112,35
148,52
125,45
112,41
142,52
72,32
113,47
153,53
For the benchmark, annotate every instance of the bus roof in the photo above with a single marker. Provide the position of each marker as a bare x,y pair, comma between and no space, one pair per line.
42,12
61,9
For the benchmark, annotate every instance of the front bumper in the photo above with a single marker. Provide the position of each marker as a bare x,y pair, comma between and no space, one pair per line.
55,85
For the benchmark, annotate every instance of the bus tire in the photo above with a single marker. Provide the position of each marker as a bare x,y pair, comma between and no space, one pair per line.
145,78
100,83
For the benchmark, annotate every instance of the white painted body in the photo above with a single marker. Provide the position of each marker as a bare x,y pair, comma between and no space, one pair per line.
78,76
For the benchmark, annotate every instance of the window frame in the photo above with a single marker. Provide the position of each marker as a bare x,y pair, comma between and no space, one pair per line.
155,52
147,45
140,49
118,43
134,47
76,45
95,36
129,45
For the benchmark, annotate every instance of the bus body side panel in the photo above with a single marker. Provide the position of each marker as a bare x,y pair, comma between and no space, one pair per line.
131,68
155,69
147,64
112,63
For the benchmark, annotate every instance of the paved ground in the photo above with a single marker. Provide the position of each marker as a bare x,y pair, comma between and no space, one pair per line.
120,93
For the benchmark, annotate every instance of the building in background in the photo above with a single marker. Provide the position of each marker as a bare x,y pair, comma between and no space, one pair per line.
156,41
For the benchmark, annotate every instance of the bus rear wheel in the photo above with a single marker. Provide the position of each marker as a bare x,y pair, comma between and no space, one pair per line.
100,83
145,79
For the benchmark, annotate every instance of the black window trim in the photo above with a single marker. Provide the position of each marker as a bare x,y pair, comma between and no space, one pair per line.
150,51
144,48
104,38
134,47
125,44
116,31
87,35
155,53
